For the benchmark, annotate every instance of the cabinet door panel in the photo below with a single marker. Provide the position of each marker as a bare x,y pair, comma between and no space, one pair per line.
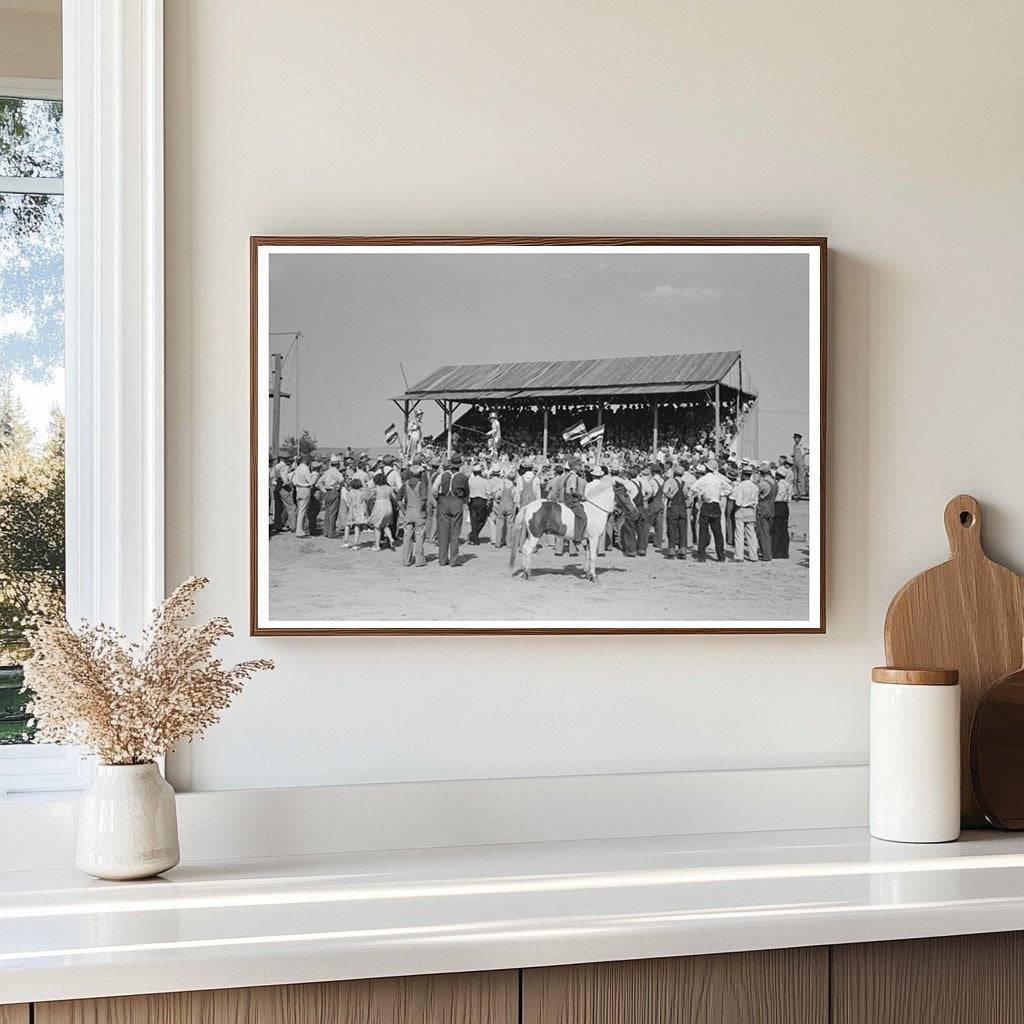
778,986
961,979
14,1013
481,998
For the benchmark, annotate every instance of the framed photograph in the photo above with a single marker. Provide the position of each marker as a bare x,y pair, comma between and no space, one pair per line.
537,435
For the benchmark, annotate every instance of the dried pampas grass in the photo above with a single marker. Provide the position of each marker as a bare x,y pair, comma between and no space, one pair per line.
129,703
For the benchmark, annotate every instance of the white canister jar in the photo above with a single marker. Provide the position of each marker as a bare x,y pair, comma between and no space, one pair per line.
127,823
915,755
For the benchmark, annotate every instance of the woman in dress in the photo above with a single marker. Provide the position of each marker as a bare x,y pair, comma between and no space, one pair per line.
355,498
381,517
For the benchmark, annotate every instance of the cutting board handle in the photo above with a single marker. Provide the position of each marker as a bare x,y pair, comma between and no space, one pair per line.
963,526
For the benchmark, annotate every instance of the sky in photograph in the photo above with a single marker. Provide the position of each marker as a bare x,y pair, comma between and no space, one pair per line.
365,316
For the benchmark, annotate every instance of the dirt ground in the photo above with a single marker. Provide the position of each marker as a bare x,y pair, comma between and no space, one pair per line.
315,578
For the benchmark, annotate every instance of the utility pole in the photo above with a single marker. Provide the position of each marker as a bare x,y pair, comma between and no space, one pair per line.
276,394
718,419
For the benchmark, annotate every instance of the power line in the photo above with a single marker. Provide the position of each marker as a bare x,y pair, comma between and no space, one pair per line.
330,386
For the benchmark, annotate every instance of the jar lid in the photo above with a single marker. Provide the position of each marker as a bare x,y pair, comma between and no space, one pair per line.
916,676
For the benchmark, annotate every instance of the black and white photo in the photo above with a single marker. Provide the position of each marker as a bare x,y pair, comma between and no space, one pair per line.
580,435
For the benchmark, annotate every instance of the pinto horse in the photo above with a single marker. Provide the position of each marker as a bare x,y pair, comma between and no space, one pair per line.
555,518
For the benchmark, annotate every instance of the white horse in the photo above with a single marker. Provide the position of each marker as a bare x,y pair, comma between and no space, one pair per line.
554,518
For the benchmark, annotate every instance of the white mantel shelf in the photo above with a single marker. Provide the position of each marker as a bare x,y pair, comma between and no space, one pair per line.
267,922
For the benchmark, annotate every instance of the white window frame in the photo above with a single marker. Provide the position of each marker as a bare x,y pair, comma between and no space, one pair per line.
114,326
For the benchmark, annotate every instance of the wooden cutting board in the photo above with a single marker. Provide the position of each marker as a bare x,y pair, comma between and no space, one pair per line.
967,614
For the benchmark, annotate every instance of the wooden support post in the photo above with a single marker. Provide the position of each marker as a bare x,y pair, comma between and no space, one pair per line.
654,444
545,448
276,360
718,419
600,420
451,418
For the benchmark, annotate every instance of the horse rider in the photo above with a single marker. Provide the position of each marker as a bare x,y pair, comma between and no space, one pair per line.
575,487
414,438
493,435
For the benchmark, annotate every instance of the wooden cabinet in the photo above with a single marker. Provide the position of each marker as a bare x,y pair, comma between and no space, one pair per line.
963,979
778,986
491,998
971,979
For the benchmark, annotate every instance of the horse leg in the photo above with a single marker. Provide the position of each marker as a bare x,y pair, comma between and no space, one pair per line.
528,549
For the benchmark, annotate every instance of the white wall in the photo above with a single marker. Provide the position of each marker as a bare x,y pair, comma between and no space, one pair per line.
895,129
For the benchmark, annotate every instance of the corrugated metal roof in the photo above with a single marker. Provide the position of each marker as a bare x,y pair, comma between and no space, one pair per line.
628,375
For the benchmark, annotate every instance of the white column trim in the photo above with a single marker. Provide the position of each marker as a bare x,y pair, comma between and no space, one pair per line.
113,108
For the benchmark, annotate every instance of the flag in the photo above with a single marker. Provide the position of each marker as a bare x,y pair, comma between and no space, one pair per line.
391,433
597,434
574,431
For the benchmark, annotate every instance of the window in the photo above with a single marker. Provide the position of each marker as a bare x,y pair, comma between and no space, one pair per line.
32,514
92,172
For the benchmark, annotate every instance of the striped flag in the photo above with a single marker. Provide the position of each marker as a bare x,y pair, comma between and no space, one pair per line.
574,431
597,434
391,433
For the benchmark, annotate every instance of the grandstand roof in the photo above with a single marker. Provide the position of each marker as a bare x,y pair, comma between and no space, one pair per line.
629,375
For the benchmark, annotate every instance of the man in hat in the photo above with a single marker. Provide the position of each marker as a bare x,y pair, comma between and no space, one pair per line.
431,475
556,492
627,497
329,489
732,472
503,507
574,487
277,514
285,470
478,503
493,434
452,491
653,508
800,490
527,484
767,488
413,515
699,469
302,480
745,496
780,519
675,496
712,489
313,515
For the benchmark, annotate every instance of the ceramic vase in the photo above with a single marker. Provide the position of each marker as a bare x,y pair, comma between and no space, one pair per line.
127,825
915,755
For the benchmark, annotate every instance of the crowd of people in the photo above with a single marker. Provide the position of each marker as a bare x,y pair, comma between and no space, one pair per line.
682,500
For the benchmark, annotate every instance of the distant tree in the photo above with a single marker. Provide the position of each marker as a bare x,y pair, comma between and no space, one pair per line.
307,445
32,550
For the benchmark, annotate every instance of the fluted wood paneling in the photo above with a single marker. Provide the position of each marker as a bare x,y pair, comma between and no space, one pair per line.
490,998
14,1013
963,979
779,986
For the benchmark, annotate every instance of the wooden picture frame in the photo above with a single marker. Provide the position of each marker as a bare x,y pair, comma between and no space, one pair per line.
263,514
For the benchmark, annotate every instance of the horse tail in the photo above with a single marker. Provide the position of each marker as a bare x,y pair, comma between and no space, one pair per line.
516,541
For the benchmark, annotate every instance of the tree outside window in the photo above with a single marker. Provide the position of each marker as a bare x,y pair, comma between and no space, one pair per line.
31,387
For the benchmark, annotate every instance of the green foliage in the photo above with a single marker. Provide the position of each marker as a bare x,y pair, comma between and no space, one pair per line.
32,548
307,445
